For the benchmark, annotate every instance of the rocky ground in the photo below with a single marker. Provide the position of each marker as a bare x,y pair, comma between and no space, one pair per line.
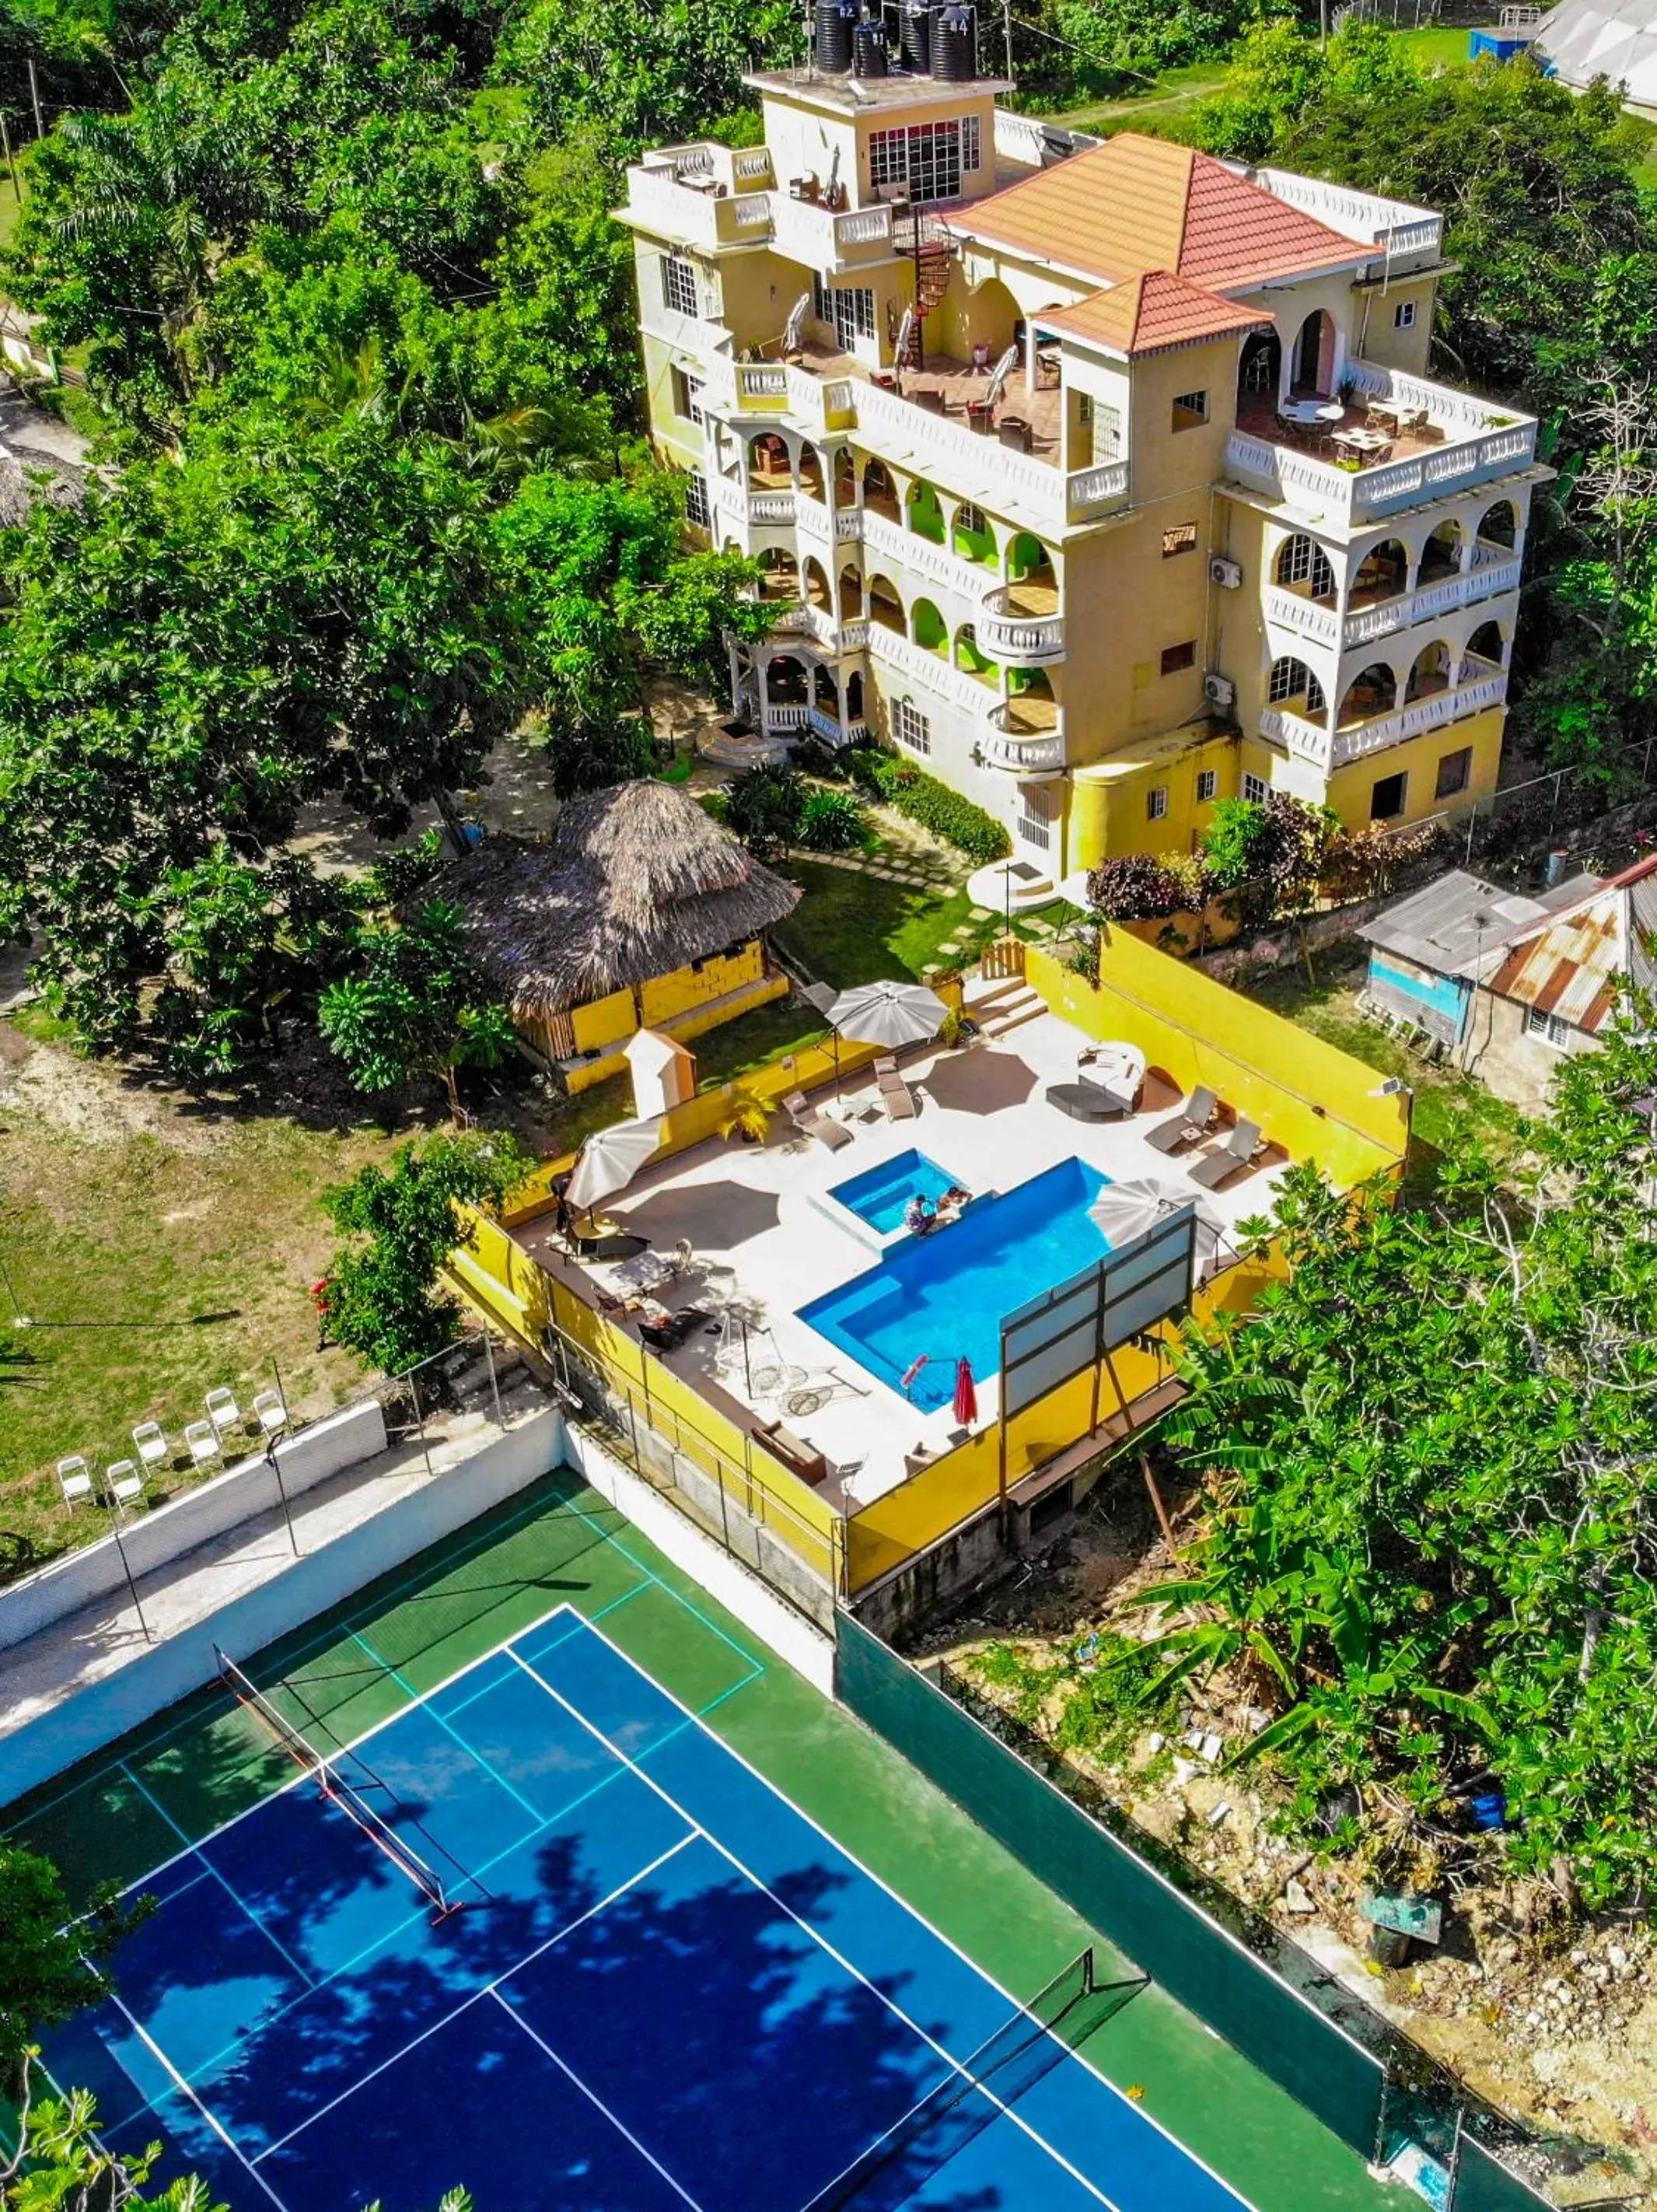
1552,2020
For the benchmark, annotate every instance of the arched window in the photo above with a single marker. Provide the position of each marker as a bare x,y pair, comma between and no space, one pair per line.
1498,526
971,536
1429,672
1303,565
928,627
1441,557
884,606
1373,690
769,467
1383,573
1292,682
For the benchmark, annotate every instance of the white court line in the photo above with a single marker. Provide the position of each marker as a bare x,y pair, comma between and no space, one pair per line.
422,1705
228,2140
484,1990
819,1938
224,1882
1137,2112
621,2130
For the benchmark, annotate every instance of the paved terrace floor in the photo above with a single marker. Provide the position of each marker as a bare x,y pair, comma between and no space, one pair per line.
751,1213
84,1647
958,381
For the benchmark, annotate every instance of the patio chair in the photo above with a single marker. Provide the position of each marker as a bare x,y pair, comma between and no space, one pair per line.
1194,1119
73,1479
899,1102
150,1440
810,1123
1240,1149
222,1410
123,1484
270,1412
202,1440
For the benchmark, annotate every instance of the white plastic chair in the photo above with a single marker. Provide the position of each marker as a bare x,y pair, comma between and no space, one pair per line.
222,1410
74,1479
150,1439
203,1439
270,1412
123,1484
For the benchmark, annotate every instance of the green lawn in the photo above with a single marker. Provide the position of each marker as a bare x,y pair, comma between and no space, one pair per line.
852,928
1161,101
737,1049
1451,1112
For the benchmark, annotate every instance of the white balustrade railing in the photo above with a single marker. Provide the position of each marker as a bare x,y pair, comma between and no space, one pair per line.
1353,495
1025,756
890,541
854,635
1394,225
779,721
659,202
1435,712
933,444
1088,490
913,660
1293,611
774,508
1023,640
823,240
1367,624
848,523
813,518
1307,741
751,166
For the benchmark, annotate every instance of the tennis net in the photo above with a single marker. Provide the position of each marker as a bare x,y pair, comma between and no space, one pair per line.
1038,2036
336,1787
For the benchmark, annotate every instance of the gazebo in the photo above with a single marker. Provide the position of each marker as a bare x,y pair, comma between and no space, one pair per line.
641,911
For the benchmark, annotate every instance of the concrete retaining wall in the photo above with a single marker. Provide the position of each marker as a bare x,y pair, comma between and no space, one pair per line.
185,1523
166,1671
808,1649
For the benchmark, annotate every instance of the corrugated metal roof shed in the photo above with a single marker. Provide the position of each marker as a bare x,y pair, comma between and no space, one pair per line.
1454,925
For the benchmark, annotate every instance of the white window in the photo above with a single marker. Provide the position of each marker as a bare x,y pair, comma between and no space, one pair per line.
679,284
971,158
697,509
1155,802
1256,789
851,312
1035,817
687,396
1404,315
926,157
1106,429
1549,1027
911,728
1302,561
1290,680
1190,408
1208,782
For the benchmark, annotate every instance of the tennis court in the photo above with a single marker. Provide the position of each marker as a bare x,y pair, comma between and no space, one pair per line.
543,1932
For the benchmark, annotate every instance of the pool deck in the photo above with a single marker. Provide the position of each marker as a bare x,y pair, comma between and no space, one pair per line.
753,1215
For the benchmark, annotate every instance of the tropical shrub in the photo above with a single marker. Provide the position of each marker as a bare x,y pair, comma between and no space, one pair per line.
765,807
830,821
1136,887
943,811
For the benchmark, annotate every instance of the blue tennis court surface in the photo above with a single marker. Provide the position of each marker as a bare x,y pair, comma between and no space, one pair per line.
665,1987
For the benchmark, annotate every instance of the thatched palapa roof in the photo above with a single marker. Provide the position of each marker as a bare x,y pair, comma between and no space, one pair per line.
635,881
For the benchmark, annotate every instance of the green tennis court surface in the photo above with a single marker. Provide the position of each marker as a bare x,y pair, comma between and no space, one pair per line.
562,1549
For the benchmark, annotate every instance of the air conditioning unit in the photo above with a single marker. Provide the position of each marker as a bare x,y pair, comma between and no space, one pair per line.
1219,690
1226,574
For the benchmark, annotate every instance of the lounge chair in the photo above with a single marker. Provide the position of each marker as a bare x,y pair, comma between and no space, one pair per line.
1087,1101
123,1484
810,1123
1242,1147
151,1441
1194,1119
73,1479
899,1102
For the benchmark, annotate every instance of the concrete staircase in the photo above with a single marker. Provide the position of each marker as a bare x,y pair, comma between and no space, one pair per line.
1005,1005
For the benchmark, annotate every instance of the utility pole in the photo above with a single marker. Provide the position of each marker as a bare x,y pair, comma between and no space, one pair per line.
12,170
1006,31
34,95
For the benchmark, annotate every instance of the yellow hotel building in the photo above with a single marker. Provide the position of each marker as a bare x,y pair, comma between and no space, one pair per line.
1103,478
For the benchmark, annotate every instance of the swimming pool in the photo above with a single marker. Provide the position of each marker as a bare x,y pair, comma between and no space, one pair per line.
944,1295
881,1195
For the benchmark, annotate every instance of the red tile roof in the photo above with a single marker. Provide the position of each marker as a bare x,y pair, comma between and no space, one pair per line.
1136,205
1152,314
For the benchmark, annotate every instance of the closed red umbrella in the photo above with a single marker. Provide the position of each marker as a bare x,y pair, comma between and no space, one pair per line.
966,1393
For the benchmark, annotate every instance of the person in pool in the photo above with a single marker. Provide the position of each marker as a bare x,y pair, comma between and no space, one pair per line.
919,1219
957,1196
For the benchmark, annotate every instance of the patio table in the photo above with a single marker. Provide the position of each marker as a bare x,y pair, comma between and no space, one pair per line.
646,1271
1312,412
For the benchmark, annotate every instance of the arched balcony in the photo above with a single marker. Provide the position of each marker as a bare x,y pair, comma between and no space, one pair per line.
928,629
1291,686
1303,567
1372,691
779,576
1429,672
769,466
850,594
1485,654
817,590
925,512
810,472
1021,624
971,536
1440,556
971,657
1382,574
885,607
1026,738
880,491
846,479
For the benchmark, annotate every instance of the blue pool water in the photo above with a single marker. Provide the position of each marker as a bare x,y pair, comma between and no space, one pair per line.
881,1195
945,1294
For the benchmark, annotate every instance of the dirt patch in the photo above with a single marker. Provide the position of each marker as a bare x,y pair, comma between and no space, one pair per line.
91,1100
1551,2019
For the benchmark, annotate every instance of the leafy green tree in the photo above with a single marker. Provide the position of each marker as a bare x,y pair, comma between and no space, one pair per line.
382,1297
603,596
60,2165
766,806
46,1974
417,1004
1428,1465
209,644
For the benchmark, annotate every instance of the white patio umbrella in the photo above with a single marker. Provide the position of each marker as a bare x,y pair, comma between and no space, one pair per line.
794,328
905,330
610,1159
890,1014
1003,369
1132,1207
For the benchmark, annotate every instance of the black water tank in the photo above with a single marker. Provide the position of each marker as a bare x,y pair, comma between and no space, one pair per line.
836,22
869,50
954,44
915,34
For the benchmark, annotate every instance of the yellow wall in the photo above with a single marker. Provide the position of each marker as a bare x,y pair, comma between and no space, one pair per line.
1108,799
1309,1097
1350,787
602,1021
689,988
692,999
